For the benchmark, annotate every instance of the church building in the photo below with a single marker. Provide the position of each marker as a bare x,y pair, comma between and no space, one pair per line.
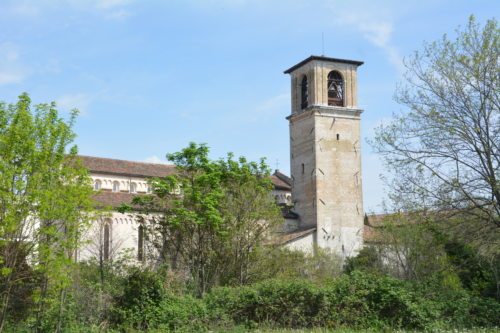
322,199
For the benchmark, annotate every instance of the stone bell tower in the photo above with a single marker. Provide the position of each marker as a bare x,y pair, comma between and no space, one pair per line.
325,153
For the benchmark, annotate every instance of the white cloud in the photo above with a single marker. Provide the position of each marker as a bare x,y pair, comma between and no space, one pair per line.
154,159
119,14
10,77
20,8
107,4
220,3
11,69
113,9
375,28
78,101
109,9
374,125
270,106
374,193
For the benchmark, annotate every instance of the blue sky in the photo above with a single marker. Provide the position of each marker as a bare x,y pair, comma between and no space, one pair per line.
151,76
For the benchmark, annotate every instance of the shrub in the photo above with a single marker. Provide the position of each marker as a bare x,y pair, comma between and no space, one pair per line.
358,300
145,304
277,303
139,304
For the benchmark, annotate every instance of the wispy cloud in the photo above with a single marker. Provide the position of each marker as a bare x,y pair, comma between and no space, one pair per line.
80,101
373,168
24,8
11,68
375,28
109,4
220,3
270,106
109,9
154,159
114,9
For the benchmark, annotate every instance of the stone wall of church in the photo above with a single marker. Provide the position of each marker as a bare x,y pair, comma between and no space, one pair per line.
305,244
123,237
107,181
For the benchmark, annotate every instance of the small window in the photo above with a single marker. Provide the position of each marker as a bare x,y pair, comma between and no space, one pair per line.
97,185
106,242
335,89
303,168
140,243
133,188
116,186
304,93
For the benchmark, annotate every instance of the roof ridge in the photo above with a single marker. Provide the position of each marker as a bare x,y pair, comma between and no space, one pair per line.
130,161
283,177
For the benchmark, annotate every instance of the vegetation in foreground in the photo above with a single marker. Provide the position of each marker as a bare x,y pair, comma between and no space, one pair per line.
435,267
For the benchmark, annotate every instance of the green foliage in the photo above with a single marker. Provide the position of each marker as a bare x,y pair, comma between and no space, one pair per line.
210,216
138,305
357,300
443,148
45,196
143,301
282,263
368,259
145,304
477,273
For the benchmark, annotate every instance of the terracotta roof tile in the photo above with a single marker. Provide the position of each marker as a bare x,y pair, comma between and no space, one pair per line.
287,237
142,169
280,184
127,168
283,177
113,199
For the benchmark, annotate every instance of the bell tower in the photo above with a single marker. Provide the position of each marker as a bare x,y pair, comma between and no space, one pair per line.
325,153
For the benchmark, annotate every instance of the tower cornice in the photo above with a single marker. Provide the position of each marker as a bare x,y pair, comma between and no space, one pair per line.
325,59
327,111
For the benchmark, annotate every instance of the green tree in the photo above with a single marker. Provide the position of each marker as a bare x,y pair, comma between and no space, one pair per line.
443,149
210,216
45,201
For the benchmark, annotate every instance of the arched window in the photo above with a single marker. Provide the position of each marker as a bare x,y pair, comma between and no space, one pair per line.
335,89
116,186
106,241
133,188
97,185
140,243
304,93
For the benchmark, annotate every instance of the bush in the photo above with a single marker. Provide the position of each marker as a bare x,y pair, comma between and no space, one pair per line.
276,303
358,300
139,304
145,304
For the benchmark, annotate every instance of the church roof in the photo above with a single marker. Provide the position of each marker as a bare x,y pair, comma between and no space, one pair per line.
281,181
110,166
322,58
126,168
113,199
288,237
283,177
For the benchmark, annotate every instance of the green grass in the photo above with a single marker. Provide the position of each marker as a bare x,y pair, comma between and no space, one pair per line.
347,330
